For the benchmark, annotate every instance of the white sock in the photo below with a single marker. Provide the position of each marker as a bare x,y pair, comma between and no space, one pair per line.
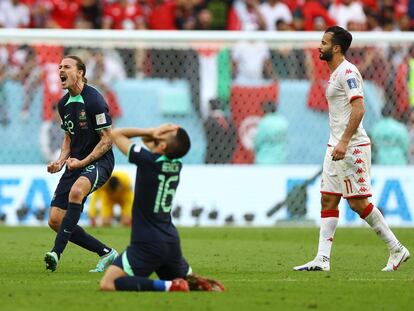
378,224
328,226
168,285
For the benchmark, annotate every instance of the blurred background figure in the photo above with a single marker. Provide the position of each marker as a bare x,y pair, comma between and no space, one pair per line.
4,115
270,140
51,137
390,140
14,14
26,69
251,63
410,127
246,15
274,10
220,134
104,70
118,190
346,11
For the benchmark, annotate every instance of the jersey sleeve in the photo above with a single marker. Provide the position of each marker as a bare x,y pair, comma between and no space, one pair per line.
99,113
138,155
352,84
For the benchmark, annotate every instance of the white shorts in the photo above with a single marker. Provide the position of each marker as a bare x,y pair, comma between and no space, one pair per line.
350,177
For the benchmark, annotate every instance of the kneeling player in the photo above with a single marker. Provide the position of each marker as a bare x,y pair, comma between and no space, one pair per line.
155,243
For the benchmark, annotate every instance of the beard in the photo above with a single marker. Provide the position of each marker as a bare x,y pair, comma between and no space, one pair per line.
327,55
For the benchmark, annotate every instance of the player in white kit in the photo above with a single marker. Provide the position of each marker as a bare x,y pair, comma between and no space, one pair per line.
347,164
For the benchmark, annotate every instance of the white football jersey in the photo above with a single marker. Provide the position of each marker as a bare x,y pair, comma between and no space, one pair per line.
345,84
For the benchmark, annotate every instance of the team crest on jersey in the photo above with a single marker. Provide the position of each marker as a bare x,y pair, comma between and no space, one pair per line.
82,115
352,83
83,125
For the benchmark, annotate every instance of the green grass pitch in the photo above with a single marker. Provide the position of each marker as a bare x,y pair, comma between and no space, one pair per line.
255,265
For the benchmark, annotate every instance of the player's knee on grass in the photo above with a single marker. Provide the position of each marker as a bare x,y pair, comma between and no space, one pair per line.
107,284
108,281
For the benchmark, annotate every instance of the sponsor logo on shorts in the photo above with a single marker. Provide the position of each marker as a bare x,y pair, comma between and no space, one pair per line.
358,161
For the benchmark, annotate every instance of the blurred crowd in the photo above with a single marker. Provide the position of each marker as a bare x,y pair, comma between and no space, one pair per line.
243,71
273,15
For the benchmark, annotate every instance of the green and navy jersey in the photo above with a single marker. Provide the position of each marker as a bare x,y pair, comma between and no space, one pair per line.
82,117
156,181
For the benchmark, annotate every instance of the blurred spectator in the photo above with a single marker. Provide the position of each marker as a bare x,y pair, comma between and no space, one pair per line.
162,16
123,14
26,70
104,69
403,86
347,11
273,11
308,12
371,60
51,137
220,134
61,13
410,127
404,23
270,140
372,22
251,63
390,140
318,73
288,61
4,114
186,14
219,10
14,14
204,20
116,191
92,13
246,15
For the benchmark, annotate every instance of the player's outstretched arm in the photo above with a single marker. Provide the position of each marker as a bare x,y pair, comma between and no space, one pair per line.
56,166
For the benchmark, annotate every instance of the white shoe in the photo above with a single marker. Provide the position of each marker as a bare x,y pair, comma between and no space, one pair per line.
318,264
396,259
105,261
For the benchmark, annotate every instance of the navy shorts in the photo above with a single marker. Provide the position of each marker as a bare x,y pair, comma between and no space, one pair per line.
97,172
163,258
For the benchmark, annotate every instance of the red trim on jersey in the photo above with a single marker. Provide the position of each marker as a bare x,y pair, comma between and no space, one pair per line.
332,193
330,213
367,211
359,196
355,97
